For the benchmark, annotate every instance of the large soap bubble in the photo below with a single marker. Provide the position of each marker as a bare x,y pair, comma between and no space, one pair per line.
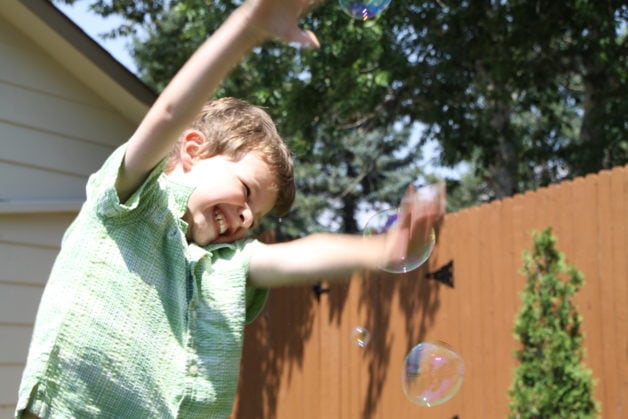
432,373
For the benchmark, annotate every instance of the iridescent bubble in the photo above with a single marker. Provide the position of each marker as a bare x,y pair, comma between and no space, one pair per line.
426,206
384,220
361,336
432,374
364,9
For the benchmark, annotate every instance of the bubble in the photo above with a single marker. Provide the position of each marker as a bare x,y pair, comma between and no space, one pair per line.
432,374
364,9
384,220
361,336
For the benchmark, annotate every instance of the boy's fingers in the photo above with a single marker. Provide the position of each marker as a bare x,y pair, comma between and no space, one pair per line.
442,198
409,197
305,38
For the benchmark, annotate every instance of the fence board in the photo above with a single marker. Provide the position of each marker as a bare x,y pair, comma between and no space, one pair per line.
330,358
502,336
586,256
486,308
605,274
618,406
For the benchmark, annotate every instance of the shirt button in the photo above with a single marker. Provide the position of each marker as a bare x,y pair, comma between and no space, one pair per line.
193,370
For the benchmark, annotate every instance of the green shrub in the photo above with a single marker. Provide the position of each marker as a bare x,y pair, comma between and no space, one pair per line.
550,381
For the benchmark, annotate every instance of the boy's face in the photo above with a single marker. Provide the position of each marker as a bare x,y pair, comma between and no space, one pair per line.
231,198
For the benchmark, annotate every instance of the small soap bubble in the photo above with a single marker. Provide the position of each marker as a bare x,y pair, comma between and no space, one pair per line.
432,374
364,9
382,222
360,336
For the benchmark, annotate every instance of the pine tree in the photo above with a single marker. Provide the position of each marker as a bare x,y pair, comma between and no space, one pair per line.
550,381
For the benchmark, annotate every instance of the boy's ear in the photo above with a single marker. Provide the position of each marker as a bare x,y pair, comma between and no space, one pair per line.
190,149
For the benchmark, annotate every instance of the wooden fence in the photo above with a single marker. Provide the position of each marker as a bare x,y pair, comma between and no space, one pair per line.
300,361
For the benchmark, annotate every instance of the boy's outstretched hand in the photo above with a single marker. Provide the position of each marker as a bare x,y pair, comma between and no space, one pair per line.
278,19
419,213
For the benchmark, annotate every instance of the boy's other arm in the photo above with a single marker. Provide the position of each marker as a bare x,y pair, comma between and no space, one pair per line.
174,110
335,256
308,260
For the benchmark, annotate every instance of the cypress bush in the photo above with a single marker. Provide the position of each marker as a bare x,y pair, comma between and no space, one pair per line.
551,380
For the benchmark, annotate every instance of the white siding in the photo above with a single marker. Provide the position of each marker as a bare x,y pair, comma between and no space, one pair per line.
17,263
39,110
28,245
18,182
43,231
10,378
18,304
47,151
54,132
27,65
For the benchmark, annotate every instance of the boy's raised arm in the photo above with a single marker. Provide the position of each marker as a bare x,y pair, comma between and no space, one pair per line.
251,24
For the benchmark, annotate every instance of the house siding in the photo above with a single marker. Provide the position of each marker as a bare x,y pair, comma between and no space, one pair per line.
54,132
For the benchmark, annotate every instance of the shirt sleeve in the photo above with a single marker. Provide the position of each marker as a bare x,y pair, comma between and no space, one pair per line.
255,301
101,190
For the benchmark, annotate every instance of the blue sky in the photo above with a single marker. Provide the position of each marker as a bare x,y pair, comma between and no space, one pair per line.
95,25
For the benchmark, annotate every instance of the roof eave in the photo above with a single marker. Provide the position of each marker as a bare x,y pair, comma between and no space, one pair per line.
83,57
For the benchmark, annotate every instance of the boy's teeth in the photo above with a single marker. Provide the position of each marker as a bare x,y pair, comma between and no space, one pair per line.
222,225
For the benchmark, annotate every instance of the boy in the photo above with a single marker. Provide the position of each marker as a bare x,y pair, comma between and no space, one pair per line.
144,310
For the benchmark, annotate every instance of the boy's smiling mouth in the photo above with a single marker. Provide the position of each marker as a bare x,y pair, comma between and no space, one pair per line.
221,223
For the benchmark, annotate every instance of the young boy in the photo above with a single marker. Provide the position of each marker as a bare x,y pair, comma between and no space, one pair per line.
144,310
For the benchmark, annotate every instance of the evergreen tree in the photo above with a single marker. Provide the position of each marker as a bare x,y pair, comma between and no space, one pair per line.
550,381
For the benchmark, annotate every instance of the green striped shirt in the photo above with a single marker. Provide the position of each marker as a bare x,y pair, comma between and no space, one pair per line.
134,321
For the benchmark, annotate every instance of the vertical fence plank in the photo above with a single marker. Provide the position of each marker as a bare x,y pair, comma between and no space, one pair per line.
606,304
499,328
484,285
520,241
452,305
618,408
329,356
566,224
311,367
472,294
508,259
460,238
457,238
348,368
585,259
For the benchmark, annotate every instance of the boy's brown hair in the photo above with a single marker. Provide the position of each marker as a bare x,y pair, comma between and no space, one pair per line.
234,127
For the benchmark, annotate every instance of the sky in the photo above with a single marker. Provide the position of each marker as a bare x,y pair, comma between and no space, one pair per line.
94,25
